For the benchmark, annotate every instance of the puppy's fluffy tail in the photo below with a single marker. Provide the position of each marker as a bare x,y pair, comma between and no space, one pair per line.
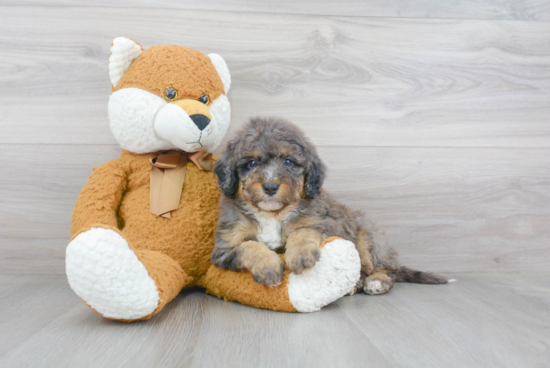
405,274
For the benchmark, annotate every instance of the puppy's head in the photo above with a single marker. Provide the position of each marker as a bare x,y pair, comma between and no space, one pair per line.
270,165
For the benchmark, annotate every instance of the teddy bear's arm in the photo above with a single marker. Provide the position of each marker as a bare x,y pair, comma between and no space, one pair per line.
100,198
333,276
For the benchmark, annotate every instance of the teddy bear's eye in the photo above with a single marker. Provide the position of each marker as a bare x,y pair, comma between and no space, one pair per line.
170,94
204,99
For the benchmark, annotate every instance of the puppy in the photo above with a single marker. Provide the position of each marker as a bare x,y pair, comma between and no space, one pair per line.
272,202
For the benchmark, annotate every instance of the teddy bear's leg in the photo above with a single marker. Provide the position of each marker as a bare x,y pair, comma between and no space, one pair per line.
117,281
333,276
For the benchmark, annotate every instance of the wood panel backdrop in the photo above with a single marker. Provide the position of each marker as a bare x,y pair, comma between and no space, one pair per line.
435,120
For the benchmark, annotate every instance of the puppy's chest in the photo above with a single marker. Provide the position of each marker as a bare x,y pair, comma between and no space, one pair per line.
269,231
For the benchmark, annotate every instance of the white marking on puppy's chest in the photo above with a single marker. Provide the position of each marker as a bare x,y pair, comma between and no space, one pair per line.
269,230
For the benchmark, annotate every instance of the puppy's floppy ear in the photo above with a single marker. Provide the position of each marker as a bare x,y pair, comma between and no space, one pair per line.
226,171
315,175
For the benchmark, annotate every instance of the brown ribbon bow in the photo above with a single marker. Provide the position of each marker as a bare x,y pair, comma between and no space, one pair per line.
167,176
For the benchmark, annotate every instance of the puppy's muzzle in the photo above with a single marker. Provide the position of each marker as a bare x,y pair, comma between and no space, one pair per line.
270,188
198,112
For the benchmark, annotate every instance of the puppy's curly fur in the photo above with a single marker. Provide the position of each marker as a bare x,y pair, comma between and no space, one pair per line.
272,202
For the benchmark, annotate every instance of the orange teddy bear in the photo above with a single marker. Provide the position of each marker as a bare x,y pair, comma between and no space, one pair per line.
143,226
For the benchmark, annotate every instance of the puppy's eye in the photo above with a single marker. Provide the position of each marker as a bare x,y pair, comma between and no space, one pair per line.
252,164
204,99
288,163
170,94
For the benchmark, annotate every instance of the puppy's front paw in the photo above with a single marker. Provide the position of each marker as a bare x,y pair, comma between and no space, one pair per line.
269,271
300,258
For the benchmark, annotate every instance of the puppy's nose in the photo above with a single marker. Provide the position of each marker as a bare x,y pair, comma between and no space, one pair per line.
271,188
201,121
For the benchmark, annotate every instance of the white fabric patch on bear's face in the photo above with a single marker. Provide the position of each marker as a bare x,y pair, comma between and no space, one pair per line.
174,125
132,113
143,123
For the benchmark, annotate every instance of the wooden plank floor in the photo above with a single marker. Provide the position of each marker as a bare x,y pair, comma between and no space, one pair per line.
483,320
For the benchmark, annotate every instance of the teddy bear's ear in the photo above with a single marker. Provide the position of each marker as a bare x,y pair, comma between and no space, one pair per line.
123,52
223,71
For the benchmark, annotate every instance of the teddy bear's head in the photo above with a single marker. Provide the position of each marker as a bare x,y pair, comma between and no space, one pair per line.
167,97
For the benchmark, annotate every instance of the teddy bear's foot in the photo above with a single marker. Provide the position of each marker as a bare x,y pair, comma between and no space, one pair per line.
109,277
333,276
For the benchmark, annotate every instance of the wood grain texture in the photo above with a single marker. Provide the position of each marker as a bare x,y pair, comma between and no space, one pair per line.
349,81
34,302
475,209
494,320
34,256
464,325
469,9
40,185
445,209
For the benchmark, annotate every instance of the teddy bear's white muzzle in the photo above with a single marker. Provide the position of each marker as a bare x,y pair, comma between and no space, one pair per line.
174,125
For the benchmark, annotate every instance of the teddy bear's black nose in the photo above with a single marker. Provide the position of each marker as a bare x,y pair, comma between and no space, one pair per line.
200,120
271,188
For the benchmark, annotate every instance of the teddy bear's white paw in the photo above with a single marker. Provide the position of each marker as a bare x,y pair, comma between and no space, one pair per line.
333,276
107,274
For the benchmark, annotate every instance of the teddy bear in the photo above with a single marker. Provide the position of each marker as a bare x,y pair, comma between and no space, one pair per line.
143,225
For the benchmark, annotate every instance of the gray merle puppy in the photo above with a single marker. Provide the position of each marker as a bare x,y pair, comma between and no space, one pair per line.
272,202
